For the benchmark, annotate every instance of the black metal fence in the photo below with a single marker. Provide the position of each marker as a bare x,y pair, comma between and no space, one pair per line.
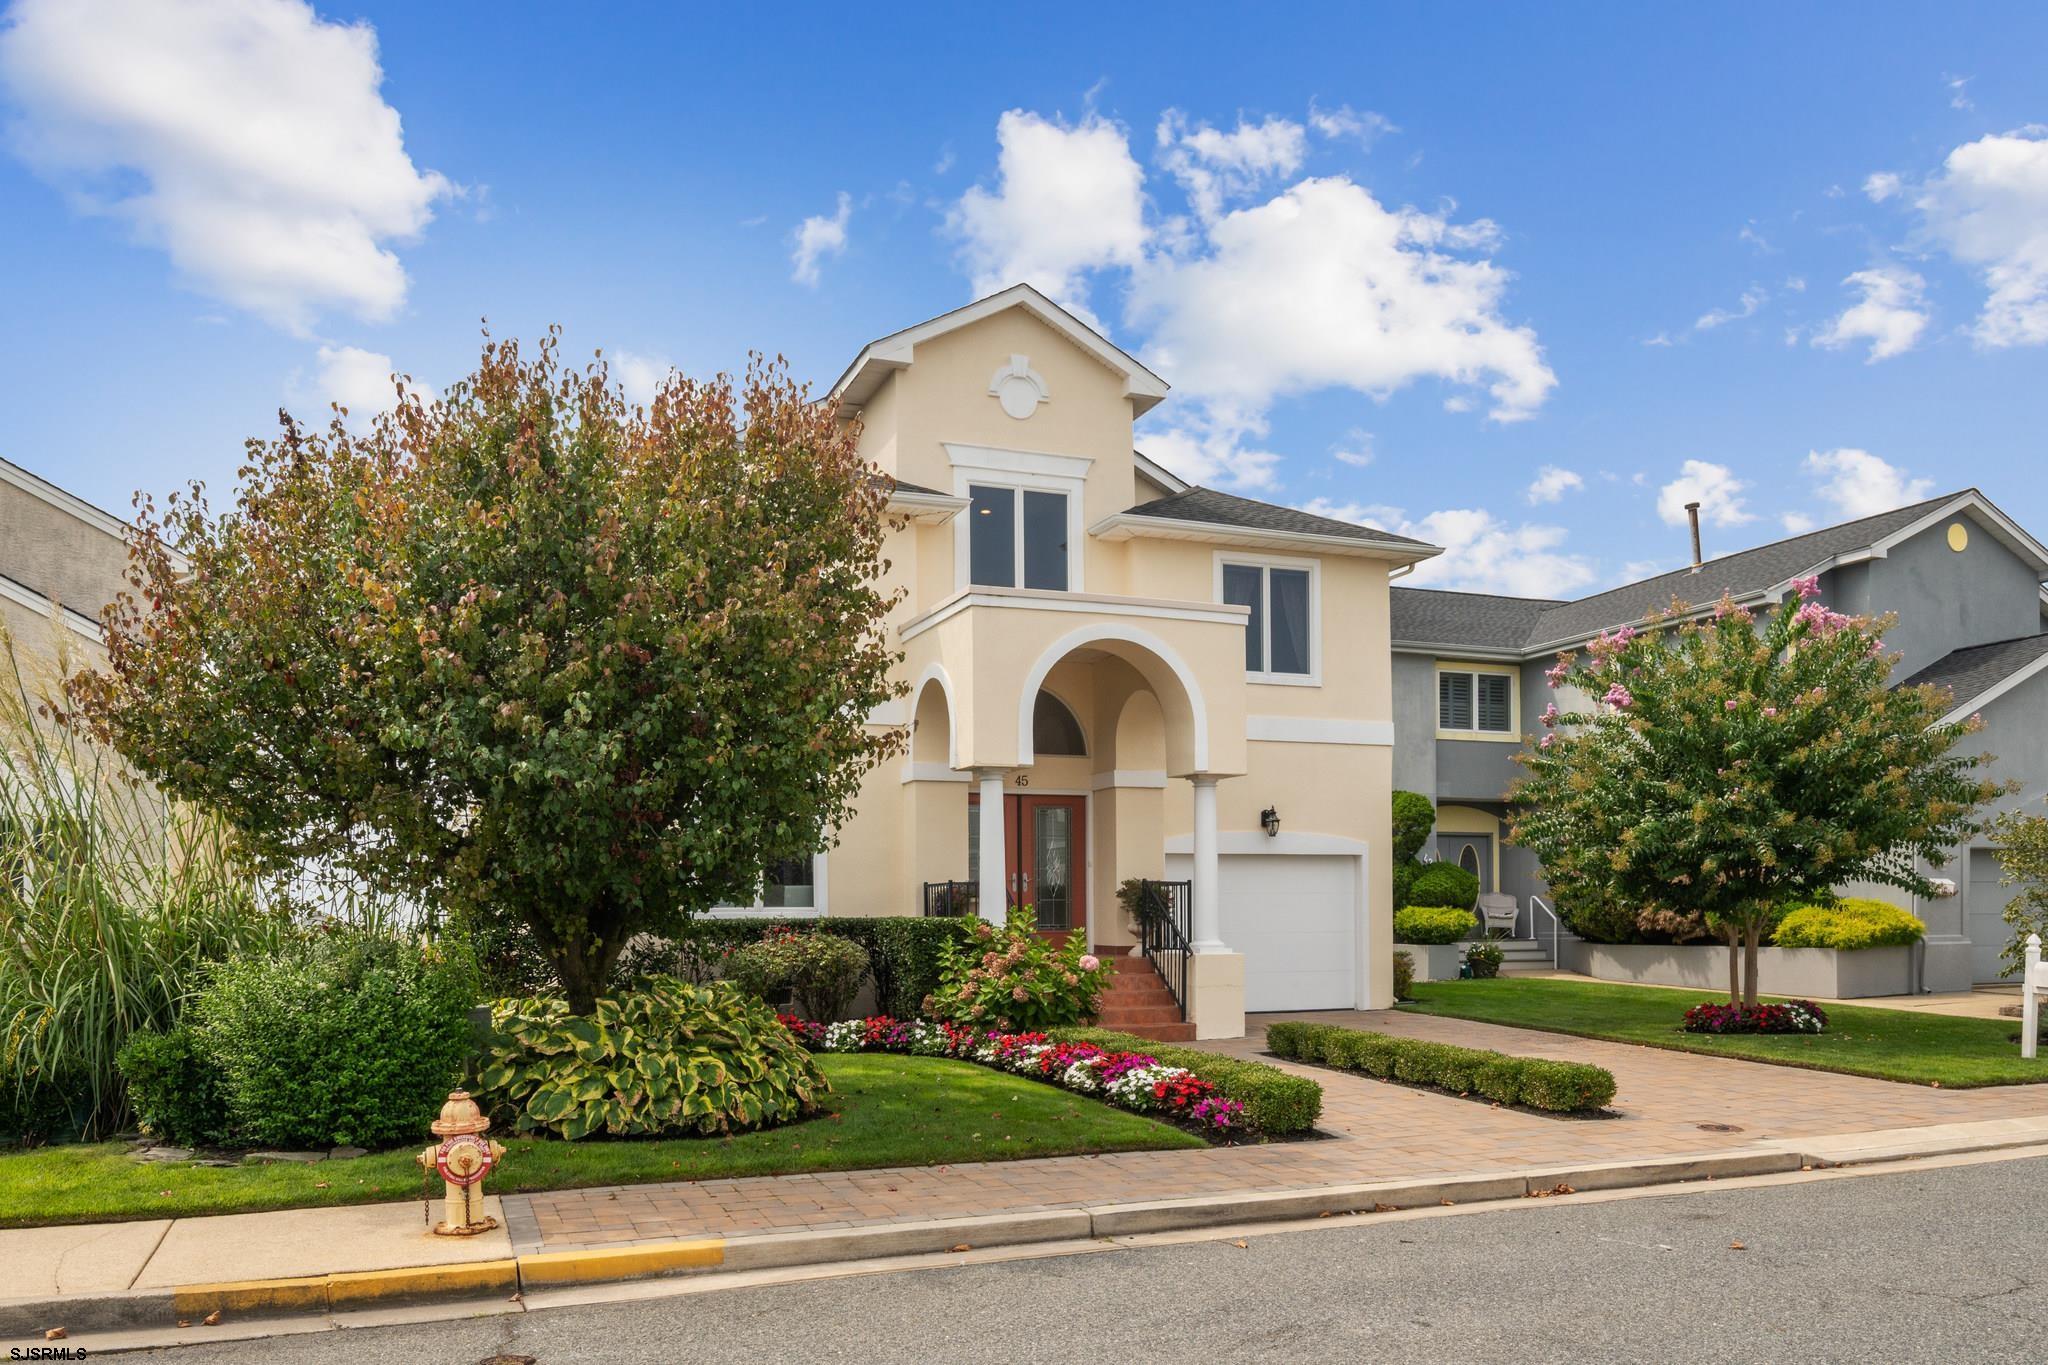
952,898
1165,924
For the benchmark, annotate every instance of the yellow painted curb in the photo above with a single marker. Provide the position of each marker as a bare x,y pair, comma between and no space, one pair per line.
367,1288
305,1295
620,1263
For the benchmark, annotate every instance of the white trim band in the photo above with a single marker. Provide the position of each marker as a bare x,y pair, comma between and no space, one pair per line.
1318,730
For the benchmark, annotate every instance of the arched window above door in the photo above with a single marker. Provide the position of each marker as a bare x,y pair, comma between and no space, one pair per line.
1054,731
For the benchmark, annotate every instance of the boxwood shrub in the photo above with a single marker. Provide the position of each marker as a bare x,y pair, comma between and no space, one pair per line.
1850,925
1432,924
1443,884
1558,1087
1276,1101
173,1086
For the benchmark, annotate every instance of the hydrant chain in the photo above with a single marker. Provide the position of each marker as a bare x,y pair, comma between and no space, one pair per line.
463,1158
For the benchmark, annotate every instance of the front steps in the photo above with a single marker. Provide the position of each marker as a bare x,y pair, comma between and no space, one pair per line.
1524,955
1137,1000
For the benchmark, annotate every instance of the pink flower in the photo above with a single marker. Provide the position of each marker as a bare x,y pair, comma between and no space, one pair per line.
1555,673
1544,743
1017,993
1728,705
1806,587
1770,713
1089,962
1619,697
1877,649
1549,716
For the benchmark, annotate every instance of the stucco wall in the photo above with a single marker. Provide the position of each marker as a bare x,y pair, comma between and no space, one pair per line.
1944,600
1414,708
76,559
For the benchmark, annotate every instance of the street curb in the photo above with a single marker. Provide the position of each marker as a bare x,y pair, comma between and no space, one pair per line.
27,1319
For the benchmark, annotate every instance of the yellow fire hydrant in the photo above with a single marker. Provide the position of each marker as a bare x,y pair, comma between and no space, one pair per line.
464,1157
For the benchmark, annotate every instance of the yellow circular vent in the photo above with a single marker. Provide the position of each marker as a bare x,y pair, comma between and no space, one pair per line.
1958,536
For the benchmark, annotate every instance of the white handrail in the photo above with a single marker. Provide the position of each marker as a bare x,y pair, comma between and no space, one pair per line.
1556,924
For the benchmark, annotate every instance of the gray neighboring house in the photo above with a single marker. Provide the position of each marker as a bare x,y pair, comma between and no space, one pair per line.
1964,579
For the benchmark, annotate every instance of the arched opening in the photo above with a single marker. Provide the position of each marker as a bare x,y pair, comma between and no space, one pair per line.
1055,731
931,722
1164,672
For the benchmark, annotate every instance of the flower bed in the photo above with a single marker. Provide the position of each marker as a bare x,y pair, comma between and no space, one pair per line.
1135,1081
1794,1016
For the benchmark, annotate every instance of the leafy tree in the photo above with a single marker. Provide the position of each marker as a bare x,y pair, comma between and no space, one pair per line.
1727,769
523,651
2022,841
1414,818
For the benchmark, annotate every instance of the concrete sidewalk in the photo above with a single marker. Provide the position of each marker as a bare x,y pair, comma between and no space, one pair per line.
1678,1116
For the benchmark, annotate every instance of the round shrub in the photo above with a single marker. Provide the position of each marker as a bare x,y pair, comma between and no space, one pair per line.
1404,975
1443,884
1597,919
1414,818
1427,924
1013,979
822,971
338,1040
1404,883
1850,925
173,1086
666,1058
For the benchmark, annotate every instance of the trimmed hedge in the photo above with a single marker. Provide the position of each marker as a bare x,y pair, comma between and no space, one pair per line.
903,950
1443,884
1850,926
1432,924
1558,1087
1274,1101
1404,976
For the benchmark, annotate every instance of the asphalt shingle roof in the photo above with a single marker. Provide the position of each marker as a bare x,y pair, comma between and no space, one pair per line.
1976,670
1481,620
1227,509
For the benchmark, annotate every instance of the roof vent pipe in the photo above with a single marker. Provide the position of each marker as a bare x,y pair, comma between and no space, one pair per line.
1692,513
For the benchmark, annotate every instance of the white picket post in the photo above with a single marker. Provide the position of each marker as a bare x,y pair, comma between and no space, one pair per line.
2031,985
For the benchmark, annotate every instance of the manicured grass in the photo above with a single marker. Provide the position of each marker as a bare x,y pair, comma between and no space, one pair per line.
884,1111
1892,1045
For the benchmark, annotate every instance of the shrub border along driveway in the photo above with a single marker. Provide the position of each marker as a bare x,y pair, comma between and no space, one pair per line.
1532,1082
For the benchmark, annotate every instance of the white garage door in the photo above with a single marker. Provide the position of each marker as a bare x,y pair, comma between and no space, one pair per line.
1989,933
1294,917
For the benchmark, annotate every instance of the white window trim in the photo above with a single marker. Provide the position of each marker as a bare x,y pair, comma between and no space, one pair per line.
1017,470
1314,676
1511,735
815,910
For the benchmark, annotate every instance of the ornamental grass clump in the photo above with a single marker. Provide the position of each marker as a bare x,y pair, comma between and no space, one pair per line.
1015,980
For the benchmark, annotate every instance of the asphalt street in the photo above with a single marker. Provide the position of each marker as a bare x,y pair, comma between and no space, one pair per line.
1940,1265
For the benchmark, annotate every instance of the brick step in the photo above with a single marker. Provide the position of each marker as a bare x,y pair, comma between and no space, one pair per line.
1138,992
1168,1013
1175,1032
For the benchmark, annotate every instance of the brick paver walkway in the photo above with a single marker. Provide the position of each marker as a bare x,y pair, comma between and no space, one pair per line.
1380,1132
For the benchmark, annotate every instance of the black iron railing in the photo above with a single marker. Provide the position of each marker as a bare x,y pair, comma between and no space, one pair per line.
951,898
1165,924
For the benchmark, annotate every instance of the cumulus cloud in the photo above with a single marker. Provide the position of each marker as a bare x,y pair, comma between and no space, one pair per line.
355,379
1356,450
245,138
1360,125
1068,200
1880,186
817,237
1752,299
1859,484
1988,208
1482,553
639,375
1215,167
1797,523
1891,315
1552,483
1219,451
1713,486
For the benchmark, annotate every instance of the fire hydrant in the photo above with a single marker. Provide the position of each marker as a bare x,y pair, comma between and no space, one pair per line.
464,1157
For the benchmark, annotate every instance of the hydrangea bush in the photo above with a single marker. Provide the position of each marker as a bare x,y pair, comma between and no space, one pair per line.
1014,979
1129,1080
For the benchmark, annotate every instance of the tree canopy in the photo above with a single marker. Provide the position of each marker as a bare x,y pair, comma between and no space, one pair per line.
522,650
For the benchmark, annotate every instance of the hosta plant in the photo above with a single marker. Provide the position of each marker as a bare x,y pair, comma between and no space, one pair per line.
665,1059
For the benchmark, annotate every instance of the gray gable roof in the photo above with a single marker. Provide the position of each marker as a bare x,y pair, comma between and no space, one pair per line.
1971,672
1227,509
1476,619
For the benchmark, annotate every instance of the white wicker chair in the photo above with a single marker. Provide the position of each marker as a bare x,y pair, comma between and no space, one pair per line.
1498,912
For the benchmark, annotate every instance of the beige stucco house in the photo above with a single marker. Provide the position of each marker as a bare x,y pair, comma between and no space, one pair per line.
1113,674
62,560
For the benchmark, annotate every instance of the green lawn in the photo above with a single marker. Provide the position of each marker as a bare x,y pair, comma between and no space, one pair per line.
884,1111
1892,1045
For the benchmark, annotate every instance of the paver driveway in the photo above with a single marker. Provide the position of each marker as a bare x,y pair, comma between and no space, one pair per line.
1379,1132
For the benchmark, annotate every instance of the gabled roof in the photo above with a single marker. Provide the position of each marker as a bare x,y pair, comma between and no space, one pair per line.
1207,514
1159,473
1981,672
1746,576
1471,620
883,357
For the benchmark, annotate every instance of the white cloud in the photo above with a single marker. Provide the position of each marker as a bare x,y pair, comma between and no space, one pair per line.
1752,299
1880,186
1660,339
246,138
1553,483
1959,92
1797,523
639,375
356,379
1363,125
1357,449
1482,553
1215,167
1750,233
818,237
1989,209
1891,314
1068,200
1859,484
1216,451
1713,486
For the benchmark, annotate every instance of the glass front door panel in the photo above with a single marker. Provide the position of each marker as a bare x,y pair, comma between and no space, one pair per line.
1052,865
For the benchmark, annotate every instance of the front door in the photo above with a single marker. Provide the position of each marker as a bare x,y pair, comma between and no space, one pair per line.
1473,852
1045,838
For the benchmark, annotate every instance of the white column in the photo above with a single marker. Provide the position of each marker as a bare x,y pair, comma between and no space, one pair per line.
995,859
1208,914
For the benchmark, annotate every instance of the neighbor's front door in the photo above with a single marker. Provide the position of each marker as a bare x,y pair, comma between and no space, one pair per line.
1473,852
1045,838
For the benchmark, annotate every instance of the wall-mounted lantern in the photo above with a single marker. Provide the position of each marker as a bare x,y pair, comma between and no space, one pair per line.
1269,821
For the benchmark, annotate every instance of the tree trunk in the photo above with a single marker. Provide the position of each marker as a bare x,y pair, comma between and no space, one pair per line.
1752,937
1734,964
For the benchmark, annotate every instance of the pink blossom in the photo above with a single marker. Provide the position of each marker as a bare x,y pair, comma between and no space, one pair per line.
1806,587
1619,697
1089,962
1017,993
1555,673
1544,743
1770,713
1549,716
1728,705
1819,619
1877,649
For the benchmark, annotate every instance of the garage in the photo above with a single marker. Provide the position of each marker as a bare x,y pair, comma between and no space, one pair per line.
1295,917
1985,915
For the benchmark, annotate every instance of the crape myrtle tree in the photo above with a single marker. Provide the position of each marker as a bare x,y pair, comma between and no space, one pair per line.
1720,770
522,652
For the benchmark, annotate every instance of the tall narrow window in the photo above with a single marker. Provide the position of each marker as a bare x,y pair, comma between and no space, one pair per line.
1045,540
1243,586
1454,701
1280,633
993,536
1287,590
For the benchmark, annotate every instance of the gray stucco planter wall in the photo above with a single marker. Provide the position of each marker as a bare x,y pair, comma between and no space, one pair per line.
1823,973
1435,961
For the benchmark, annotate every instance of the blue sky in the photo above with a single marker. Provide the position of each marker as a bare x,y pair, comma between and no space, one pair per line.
1515,282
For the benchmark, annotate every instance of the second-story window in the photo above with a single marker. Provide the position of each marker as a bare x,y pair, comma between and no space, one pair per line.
1279,635
1475,702
1017,538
